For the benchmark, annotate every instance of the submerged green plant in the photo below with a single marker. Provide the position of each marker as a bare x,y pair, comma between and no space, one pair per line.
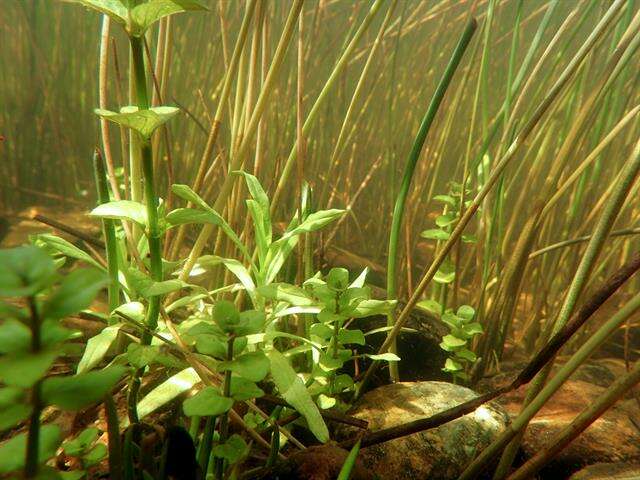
31,339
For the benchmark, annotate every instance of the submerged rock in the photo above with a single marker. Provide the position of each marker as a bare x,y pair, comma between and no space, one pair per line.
614,437
441,453
608,471
322,462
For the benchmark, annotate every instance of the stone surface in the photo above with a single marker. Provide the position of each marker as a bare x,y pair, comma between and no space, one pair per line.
315,463
440,453
614,437
608,471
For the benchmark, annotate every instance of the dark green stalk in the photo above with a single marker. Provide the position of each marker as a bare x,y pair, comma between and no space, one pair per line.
204,450
115,448
414,155
32,463
224,419
151,202
109,232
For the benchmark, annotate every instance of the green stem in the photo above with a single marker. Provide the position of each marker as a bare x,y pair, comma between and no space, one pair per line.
151,202
224,419
32,463
109,232
414,155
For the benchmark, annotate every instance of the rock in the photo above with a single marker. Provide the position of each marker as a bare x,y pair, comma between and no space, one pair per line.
441,453
608,471
614,437
322,462
419,349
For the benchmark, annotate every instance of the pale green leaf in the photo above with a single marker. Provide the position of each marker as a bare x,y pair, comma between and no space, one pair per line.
122,210
142,121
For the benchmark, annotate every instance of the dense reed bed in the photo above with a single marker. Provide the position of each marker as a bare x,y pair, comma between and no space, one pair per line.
479,156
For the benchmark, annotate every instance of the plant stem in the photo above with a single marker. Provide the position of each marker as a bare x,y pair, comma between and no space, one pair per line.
151,202
224,419
109,232
32,463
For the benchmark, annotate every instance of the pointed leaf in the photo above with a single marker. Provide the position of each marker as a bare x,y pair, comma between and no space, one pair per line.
142,121
207,403
78,391
146,14
122,210
167,391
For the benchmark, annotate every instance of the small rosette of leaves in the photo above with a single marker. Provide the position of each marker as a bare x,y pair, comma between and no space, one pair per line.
462,329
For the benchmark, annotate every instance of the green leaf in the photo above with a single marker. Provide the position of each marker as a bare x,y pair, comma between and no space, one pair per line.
450,342
115,9
445,274
252,366
242,389
385,357
68,249
292,389
338,278
207,403
235,267
78,391
140,356
473,329
315,221
446,219
15,337
466,354
25,369
25,271
450,365
13,407
255,189
430,306
467,312
233,450
469,238
97,347
367,308
445,199
122,210
78,445
325,402
351,336
14,450
75,293
226,315
214,346
167,391
286,292
435,234
94,456
142,121
146,14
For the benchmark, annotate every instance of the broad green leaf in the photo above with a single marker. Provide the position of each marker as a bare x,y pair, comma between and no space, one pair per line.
446,219
359,282
338,278
466,355
147,287
242,389
430,306
68,249
351,336
75,293
142,121
78,445
450,365
255,189
95,455
97,347
207,403
473,328
115,9
14,450
252,366
385,357
13,407
315,221
325,402
469,238
214,346
445,274
25,271
183,216
15,337
78,391
367,308
445,199
25,369
233,450
292,389
122,210
449,342
140,356
167,391
286,292
146,14
466,311
186,193
435,234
